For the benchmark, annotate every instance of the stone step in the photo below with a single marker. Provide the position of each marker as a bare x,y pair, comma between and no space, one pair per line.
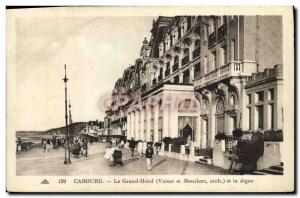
272,171
204,161
279,168
259,173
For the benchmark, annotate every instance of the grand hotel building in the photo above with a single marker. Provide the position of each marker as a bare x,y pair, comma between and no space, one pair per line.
199,76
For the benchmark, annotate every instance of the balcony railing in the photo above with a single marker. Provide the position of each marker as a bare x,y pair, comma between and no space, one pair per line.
222,32
175,148
196,53
234,68
175,67
185,60
211,39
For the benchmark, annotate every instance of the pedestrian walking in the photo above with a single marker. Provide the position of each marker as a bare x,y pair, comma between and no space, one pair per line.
117,157
144,147
84,148
148,154
19,145
109,154
140,148
48,146
44,145
132,146
76,149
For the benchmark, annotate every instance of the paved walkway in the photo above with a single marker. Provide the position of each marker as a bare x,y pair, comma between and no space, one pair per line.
35,162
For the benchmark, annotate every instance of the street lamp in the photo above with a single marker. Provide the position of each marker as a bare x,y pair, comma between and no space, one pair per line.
67,147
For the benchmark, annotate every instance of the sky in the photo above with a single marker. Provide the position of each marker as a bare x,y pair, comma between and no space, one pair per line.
96,51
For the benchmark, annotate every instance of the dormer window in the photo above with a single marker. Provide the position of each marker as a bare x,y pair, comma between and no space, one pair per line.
161,49
211,26
167,43
174,35
184,27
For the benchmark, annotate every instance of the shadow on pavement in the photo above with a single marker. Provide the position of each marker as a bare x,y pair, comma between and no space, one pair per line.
158,163
128,161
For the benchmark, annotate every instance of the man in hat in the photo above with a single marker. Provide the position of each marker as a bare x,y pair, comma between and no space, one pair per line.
148,154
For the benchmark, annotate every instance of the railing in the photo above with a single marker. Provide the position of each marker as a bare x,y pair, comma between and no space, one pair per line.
185,60
203,152
175,67
196,53
222,32
187,150
234,68
166,147
229,143
175,148
211,39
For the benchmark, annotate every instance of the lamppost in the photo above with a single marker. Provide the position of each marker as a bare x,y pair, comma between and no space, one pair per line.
67,145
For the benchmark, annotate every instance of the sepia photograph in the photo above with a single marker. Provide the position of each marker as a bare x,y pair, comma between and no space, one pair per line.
97,96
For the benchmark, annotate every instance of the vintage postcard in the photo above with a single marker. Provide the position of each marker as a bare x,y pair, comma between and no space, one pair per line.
150,99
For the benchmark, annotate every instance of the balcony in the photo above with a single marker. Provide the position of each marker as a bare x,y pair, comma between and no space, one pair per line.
175,67
185,60
222,32
211,39
196,53
232,69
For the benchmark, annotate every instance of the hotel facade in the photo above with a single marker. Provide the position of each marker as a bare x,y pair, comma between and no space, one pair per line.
199,76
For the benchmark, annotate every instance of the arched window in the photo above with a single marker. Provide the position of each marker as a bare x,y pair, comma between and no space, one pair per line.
186,51
176,63
161,49
188,105
176,59
184,25
160,76
197,43
220,117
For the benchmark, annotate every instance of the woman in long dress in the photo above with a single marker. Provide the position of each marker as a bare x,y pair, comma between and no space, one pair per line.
109,154
140,148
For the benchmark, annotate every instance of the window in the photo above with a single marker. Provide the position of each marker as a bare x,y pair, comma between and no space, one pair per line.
249,117
213,60
220,21
271,116
260,117
249,98
176,59
211,26
259,96
220,117
186,77
232,50
176,80
271,94
167,72
206,64
223,55
176,63
197,70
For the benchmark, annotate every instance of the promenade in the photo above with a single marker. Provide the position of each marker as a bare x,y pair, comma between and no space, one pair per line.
35,162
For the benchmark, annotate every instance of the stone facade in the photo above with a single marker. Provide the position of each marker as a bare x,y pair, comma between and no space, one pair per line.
194,77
